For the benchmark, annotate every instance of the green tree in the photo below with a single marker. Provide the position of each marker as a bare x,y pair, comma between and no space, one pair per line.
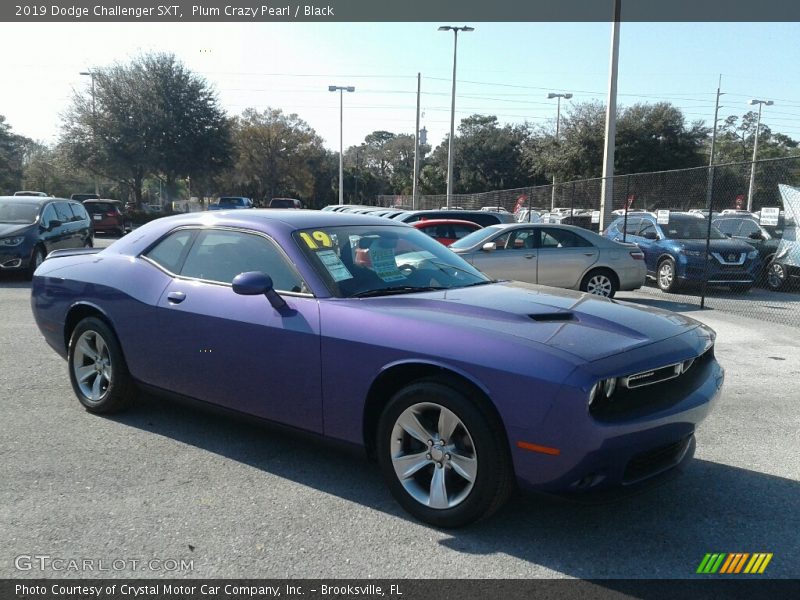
274,155
151,117
12,158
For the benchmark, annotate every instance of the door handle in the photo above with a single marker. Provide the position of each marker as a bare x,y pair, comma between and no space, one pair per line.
529,256
588,253
176,297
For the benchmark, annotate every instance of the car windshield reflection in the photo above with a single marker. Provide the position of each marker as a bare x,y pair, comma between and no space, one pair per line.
368,261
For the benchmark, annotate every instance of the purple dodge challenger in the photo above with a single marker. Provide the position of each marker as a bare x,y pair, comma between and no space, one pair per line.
367,331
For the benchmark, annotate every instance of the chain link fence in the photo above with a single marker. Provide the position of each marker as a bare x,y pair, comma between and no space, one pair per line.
735,195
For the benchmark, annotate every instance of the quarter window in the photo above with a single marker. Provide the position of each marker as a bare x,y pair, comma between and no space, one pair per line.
171,251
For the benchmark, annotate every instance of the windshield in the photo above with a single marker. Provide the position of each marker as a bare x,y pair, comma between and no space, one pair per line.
690,228
22,213
359,261
231,201
474,238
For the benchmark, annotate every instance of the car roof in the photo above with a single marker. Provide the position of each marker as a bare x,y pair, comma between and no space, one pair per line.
298,219
33,199
434,222
92,200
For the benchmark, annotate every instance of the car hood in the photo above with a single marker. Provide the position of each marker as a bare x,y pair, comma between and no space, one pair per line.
7,229
579,324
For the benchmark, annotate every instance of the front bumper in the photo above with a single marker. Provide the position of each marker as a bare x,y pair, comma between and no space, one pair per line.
694,270
625,449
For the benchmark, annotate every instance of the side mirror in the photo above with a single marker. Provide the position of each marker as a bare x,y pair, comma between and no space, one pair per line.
53,224
756,235
255,283
727,235
489,247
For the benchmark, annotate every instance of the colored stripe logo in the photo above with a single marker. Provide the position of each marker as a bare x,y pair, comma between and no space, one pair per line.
731,564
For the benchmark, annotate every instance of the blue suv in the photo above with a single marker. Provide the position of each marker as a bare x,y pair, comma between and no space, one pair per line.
675,253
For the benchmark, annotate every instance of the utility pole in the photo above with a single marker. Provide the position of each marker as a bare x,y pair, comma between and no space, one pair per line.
341,89
709,193
607,194
751,190
416,149
455,31
550,96
90,73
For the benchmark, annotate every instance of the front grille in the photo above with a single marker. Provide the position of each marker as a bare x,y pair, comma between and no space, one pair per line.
646,392
653,462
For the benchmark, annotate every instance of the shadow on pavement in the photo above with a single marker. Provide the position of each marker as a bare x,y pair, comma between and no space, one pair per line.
661,533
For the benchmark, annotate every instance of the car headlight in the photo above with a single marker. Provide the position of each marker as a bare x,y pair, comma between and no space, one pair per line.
602,390
752,254
11,241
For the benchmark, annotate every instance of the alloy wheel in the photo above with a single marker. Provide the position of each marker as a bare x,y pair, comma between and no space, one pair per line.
776,276
91,365
665,275
600,285
433,455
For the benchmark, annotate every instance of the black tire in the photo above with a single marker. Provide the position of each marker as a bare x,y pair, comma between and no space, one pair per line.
478,438
36,259
600,282
107,386
666,277
776,276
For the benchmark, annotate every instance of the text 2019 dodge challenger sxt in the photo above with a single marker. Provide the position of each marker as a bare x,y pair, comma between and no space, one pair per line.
370,332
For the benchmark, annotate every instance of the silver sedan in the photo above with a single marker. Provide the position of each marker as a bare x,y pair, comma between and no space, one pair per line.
556,255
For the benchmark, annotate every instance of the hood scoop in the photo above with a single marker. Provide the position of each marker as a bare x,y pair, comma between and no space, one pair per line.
550,317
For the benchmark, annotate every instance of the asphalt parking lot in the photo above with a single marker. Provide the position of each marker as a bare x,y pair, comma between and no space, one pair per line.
239,500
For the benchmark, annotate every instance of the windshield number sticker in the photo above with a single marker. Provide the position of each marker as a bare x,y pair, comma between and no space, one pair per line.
317,239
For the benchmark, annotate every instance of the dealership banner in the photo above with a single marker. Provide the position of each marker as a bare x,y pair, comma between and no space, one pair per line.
399,589
403,10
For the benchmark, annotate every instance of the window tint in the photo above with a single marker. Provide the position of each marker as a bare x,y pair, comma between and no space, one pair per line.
748,227
562,238
221,255
101,207
49,214
647,227
729,226
78,212
63,213
521,239
632,226
170,252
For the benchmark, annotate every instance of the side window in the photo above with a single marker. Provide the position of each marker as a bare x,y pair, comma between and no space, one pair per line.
49,214
562,238
748,227
79,214
632,226
521,239
170,252
460,231
727,226
63,213
220,256
647,227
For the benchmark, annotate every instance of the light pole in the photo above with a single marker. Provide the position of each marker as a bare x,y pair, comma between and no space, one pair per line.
94,127
755,150
341,89
455,31
550,96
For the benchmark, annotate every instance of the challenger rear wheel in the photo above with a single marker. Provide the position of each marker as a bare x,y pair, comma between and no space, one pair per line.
443,454
97,369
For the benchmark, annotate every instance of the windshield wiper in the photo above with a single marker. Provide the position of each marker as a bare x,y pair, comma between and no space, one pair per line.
400,289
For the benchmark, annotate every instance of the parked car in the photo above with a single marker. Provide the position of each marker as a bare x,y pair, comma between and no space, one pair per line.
527,215
446,231
675,253
107,216
36,194
231,202
556,255
482,218
31,227
82,197
458,386
285,203
747,229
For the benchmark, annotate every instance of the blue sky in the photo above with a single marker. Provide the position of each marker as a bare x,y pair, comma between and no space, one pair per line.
505,69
